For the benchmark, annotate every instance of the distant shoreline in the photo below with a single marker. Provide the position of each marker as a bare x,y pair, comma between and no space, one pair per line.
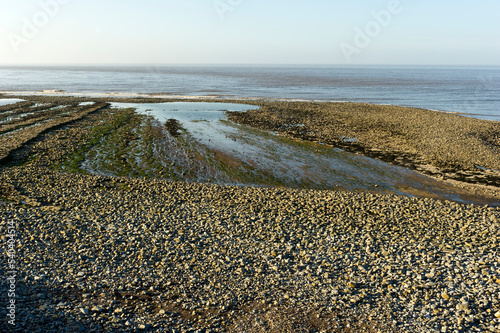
159,96
471,91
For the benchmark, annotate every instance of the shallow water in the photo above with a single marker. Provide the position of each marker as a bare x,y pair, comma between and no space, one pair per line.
7,101
86,103
185,111
293,163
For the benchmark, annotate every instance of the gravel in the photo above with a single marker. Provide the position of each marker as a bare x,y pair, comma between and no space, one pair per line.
445,145
97,253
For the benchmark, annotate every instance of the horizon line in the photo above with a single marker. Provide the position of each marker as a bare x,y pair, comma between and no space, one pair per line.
239,64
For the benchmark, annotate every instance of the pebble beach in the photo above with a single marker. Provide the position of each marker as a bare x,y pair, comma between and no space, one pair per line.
102,253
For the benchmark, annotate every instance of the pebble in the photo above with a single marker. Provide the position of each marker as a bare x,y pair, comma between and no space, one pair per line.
175,256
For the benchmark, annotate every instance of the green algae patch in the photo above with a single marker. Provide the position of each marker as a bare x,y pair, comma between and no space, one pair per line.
113,132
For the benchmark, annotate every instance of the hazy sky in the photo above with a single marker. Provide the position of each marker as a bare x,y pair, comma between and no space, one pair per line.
460,32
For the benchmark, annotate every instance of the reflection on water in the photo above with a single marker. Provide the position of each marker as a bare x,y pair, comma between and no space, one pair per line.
474,90
186,112
7,101
294,163
86,103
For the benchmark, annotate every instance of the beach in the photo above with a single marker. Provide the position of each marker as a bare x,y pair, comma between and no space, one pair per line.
130,244
443,145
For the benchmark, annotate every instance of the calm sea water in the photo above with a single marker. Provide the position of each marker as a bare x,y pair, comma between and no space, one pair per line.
473,90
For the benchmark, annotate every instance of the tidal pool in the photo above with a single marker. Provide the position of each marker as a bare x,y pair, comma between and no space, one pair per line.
185,112
7,101
287,162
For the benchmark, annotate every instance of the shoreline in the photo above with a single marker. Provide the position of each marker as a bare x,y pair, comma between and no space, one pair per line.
437,144
482,184
215,97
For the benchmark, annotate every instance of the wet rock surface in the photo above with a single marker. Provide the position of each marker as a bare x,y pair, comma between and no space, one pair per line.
35,119
440,144
173,127
99,253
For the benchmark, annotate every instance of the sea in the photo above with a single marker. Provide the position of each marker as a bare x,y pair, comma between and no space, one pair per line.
472,91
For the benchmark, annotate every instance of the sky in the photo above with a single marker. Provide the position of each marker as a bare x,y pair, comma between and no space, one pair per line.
385,32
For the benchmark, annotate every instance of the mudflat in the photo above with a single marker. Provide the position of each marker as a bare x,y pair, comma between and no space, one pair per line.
142,253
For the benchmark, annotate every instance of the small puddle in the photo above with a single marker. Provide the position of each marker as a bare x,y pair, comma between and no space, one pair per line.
16,117
294,163
486,169
8,101
348,139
